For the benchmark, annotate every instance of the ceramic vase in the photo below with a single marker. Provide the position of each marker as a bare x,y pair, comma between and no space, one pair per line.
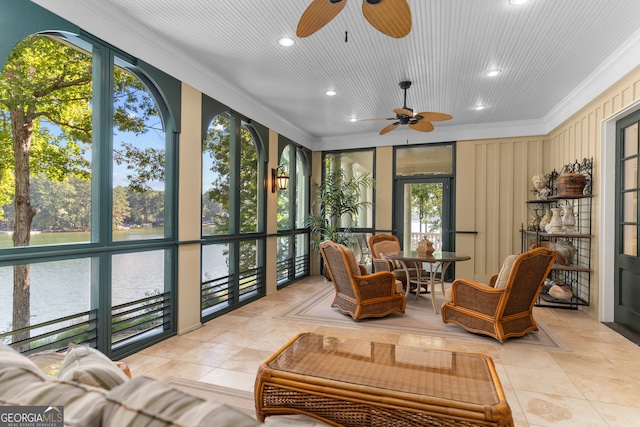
568,220
534,222
545,220
425,247
555,224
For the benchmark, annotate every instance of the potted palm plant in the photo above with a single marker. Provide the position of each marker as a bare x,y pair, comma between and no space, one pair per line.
337,196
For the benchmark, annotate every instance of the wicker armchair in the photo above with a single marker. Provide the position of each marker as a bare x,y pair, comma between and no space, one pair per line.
504,308
389,244
357,293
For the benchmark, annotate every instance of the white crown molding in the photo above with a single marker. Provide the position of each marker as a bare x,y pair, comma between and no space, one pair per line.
622,61
440,134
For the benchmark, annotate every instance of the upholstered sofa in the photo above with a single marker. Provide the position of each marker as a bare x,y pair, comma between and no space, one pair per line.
93,391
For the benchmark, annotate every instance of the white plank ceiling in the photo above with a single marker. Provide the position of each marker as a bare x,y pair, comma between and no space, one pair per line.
555,55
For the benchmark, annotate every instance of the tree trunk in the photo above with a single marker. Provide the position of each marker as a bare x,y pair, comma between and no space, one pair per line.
22,130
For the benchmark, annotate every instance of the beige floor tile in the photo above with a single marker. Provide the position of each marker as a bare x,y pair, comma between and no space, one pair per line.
180,369
623,392
618,416
270,342
527,357
237,337
594,383
247,360
580,364
549,410
535,379
209,354
228,378
144,364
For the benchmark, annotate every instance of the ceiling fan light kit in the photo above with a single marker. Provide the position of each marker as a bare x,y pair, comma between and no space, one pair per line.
390,17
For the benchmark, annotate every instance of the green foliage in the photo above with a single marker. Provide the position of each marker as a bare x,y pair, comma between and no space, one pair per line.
216,145
336,197
427,205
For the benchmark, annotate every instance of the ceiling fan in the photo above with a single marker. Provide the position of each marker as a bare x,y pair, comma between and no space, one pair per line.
391,17
416,121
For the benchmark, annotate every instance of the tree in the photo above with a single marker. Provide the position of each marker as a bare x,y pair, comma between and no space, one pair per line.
46,112
217,144
427,205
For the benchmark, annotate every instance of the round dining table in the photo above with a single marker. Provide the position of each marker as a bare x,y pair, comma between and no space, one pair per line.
438,260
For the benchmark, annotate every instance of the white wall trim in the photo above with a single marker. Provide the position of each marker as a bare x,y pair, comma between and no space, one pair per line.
606,275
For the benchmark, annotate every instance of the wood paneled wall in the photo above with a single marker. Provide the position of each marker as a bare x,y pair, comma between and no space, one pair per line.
493,183
580,137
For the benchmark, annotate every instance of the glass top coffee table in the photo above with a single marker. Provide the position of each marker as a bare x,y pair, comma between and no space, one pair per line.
351,382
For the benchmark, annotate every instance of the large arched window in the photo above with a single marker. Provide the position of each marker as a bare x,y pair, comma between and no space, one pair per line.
86,145
232,214
293,208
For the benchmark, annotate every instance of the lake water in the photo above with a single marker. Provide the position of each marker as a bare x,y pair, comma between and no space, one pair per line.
63,288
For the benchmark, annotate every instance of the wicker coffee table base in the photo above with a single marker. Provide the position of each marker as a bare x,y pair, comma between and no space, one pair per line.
354,412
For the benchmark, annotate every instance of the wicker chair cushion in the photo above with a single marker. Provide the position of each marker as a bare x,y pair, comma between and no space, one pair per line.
387,246
501,282
353,264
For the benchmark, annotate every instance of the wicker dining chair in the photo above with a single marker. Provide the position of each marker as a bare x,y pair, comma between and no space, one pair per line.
504,308
359,294
380,244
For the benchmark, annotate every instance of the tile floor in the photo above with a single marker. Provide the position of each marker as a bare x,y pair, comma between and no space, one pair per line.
595,383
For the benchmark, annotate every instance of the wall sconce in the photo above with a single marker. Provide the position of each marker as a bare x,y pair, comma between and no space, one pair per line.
279,182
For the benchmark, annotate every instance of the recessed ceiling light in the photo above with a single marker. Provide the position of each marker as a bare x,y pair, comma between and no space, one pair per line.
480,107
286,41
353,119
517,2
330,92
493,72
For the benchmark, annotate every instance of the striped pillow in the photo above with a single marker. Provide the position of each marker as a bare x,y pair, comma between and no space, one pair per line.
143,401
82,404
89,366
11,358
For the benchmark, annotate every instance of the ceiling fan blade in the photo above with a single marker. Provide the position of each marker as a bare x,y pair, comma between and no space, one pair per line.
389,128
385,118
435,117
391,17
317,15
403,111
422,126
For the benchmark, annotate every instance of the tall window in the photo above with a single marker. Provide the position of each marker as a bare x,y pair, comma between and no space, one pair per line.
293,209
354,164
232,207
139,146
83,162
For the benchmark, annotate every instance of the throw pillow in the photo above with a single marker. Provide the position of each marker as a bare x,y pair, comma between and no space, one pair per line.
82,404
11,358
148,402
501,282
89,366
